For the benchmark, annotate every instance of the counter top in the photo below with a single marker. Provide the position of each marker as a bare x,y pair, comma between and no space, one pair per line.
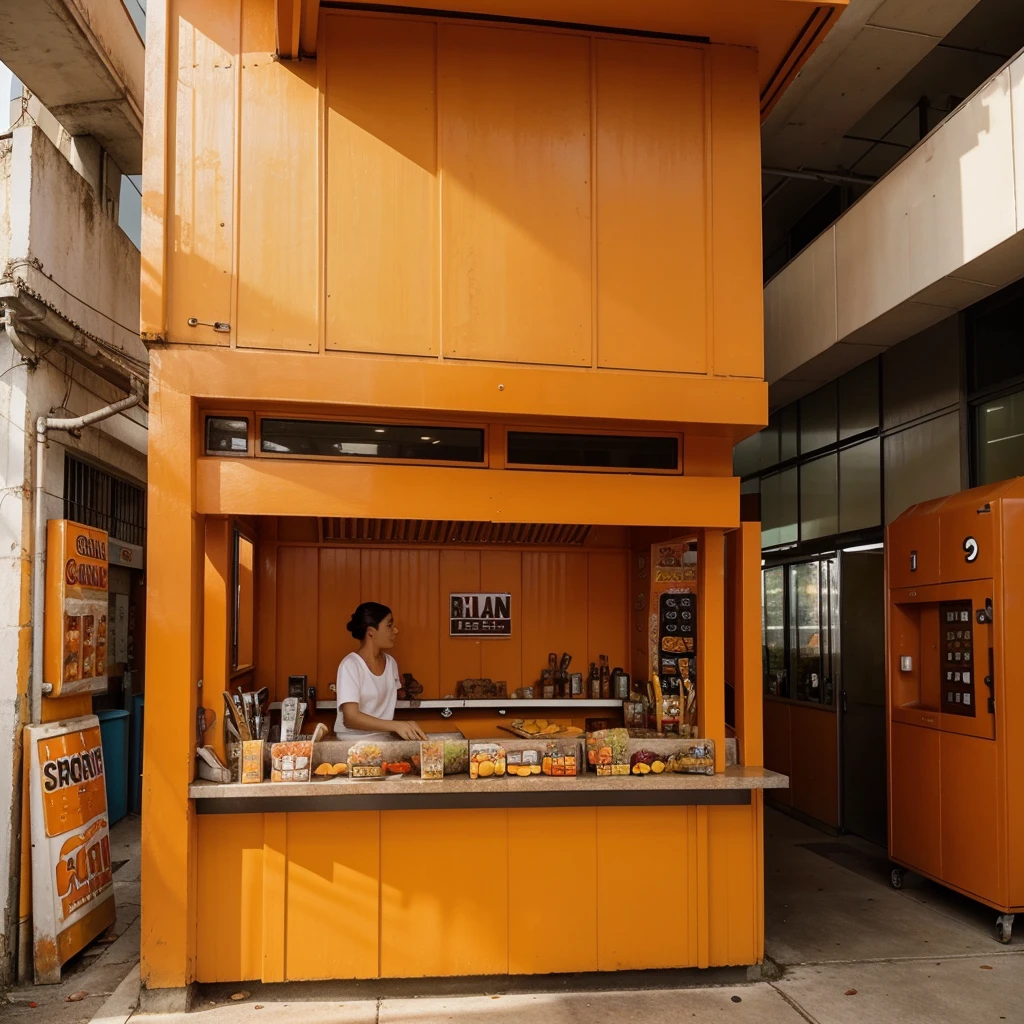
400,792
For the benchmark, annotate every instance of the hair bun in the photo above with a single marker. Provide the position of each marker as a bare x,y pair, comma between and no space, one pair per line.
354,628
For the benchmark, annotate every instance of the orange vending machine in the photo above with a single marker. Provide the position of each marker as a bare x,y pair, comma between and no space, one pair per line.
955,662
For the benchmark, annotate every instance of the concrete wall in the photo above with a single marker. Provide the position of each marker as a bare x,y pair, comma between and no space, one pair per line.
57,240
941,231
66,248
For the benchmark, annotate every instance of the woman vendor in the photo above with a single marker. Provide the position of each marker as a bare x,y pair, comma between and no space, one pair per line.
368,680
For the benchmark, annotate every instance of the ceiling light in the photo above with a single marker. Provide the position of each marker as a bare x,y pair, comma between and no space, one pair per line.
426,438
379,430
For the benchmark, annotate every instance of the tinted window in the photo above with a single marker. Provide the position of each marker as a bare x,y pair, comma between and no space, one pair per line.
588,451
371,440
224,434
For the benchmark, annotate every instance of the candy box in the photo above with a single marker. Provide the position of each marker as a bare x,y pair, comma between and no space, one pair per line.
290,762
432,759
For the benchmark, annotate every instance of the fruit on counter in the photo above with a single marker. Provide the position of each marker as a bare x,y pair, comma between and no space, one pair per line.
485,768
399,767
329,770
643,763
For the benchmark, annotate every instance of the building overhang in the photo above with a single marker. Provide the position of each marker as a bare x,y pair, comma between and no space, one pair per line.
784,32
941,231
85,62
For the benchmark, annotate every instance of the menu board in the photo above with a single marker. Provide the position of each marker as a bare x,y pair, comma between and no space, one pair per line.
956,650
75,624
677,641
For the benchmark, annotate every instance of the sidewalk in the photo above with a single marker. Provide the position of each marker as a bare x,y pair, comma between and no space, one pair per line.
101,968
850,950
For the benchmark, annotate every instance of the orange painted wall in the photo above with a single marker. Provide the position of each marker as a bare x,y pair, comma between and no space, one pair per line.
437,188
562,600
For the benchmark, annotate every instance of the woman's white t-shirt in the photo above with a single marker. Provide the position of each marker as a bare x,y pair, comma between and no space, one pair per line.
375,695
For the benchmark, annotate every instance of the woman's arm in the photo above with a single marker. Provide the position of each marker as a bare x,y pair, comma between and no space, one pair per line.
356,719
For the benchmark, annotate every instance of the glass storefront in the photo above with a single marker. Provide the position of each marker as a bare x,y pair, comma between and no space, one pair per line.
800,630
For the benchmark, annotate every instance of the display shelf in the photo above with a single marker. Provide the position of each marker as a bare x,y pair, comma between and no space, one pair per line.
321,705
508,703
460,702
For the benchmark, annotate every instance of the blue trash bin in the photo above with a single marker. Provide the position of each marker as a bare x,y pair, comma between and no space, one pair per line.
114,737
135,754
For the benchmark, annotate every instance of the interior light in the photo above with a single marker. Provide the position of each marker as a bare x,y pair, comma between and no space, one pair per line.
426,438
995,408
379,430
436,440
867,547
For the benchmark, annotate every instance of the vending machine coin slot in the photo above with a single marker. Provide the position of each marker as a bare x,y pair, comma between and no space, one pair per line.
957,658
990,682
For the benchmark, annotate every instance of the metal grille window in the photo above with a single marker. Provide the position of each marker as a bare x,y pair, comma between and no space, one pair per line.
96,498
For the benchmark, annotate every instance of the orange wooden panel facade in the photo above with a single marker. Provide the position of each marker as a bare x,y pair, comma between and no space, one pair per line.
470,222
575,601
449,189
475,898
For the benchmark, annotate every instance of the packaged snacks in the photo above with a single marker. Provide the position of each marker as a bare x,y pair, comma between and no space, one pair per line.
366,760
456,757
482,689
486,760
695,759
523,763
608,751
560,759
290,762
432,759
252,761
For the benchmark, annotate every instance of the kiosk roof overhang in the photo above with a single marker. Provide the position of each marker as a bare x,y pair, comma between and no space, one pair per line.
785,32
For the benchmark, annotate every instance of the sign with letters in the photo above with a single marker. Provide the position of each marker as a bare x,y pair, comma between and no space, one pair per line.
76,627
480,615
72,872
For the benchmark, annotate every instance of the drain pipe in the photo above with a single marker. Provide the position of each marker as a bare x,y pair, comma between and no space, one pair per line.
44,424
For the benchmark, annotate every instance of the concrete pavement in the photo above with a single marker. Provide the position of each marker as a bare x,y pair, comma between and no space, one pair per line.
100,969
849,948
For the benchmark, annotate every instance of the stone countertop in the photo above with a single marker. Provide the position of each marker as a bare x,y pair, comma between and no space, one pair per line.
731,786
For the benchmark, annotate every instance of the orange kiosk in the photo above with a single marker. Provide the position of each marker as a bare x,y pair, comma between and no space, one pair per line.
395,264
955,571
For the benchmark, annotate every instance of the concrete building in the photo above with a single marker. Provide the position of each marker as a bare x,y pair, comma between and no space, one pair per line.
893,216
69,345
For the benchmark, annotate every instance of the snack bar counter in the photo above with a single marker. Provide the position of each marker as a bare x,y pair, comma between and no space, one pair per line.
402,792
449,857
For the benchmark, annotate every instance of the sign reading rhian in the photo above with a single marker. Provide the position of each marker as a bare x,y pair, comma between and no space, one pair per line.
480,614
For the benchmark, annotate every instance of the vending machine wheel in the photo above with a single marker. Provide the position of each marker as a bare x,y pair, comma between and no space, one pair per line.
896,877
1004,927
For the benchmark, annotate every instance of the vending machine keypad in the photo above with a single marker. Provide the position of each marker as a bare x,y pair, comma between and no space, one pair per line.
956,648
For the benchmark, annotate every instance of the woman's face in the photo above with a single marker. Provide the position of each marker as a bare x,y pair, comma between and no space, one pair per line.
386,633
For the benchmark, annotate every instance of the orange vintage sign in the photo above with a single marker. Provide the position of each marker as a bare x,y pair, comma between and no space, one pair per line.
75,649
72,874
